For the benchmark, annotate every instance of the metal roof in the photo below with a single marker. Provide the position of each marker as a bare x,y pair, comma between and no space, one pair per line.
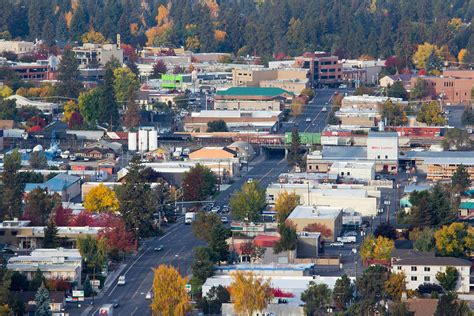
344,152
253,91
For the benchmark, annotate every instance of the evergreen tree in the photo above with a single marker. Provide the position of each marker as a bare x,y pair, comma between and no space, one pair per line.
37,280
433,62
68,75
12,190
202,266
218,244
295,152
51,234
42,302
108,110
460,181
421,215
132,114
48,33
343,292
87,287
62,32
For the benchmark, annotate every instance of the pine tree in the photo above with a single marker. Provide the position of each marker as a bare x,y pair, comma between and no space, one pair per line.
50,234
295,152
68,75
12,190
48,33
87,287
132,114
62,32
42,302
460,180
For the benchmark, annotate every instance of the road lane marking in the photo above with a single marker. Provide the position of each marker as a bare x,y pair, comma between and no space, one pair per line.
265,175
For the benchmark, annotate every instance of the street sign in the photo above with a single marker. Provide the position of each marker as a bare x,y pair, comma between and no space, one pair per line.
188,288
387,202
78,295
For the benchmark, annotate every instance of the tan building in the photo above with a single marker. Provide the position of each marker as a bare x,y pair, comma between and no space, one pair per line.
98,53
17,47
389,80
213,153
290,79
368,102
329,218
358,117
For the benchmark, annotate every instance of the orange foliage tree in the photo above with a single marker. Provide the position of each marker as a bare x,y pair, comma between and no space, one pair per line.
169,293
249,292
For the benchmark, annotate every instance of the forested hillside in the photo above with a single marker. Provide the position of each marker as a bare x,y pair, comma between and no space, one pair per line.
349,28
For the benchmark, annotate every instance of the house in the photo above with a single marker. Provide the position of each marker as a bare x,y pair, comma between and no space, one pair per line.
67,186
423,269
466,208
53,263
213,153
327,218
389,80
57,301
361,71
96,153
422,306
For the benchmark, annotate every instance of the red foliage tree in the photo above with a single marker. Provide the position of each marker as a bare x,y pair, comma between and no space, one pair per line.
393,62
117,237
129,51
62,216
34,129
325,231
76,120
58,284
277,292
82,219
280,56
247,249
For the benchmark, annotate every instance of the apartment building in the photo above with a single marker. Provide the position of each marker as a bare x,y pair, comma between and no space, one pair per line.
98,53
17,47
422,270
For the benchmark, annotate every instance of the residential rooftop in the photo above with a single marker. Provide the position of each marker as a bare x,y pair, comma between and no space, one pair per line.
433,261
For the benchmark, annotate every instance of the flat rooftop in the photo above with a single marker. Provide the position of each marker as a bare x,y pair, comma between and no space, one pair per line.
441,157
318,212
353,165
236,114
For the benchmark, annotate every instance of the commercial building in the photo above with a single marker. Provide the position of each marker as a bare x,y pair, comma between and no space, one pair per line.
382,146
368,102
452,90
290,79
356,72
251,99
329,218
98,54
57,263
34,72
357,117
235,120
17,47
45,107
389,80
325,70
424,269
359,171
67,186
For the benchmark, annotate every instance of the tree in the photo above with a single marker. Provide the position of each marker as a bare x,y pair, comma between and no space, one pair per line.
159,68
199,183
70,107
93,37
170,297
460,181
325,231
38,160
89,105
370,286
308,92
37,281
448,304
125,84
117,238
39,205
217,126
218,242
456,139
42,302
101,199
285,203
454,240
430,113
5,282
448,279
69,84
386,230
316,297
93,252
202,266
288,238
434,63
343,292
423,240
87,287
378,248
295,152
214,299
423,53
420,90
249,292
132,114
397,90
429,288
467,117
5,92
50,234
12,191
204,224
8,110
394,113
248,202
182,101
395,286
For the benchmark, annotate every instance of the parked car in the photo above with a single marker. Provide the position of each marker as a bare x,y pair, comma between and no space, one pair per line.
159,248
336,244
224,220
149,295
115,303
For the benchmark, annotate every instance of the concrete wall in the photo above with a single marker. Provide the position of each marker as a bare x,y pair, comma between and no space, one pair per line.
274,105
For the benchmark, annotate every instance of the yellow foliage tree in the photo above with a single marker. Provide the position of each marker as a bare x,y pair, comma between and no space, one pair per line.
423,52
249,293
69,107
134,28
68,16
169,290
395,285
213,7
378,248
219,35
461,55
93,37
162,16
285,204
6,91
193,43
296,108
455,240
101,199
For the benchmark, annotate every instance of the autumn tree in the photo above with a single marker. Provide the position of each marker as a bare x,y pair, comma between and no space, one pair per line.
379,248
101,199
422,54
93,37
62,216
316,297
69,84
39,205
457,139
455,240
125,84
343,292
285,203
159,68
169,293
394,113
70,107
325,231
431,114
199,183
248,203
395,285
204,224
249,293
117,238
448,279
386,230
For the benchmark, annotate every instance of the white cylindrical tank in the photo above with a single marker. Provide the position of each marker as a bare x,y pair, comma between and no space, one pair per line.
381,126
153,140
132,141
142,140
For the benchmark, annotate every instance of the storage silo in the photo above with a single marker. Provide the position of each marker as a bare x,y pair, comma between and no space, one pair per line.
142,140
153,140
132,141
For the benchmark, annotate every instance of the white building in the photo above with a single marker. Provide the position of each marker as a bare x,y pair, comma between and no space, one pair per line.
53,263
382,146
368,101
17,47
100,53
424,269
361,171
46,107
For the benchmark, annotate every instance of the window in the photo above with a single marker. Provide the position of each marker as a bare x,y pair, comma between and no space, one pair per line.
348,173
414,278
399,267
310,167
427,279
378,156
427,269
386,157
413,268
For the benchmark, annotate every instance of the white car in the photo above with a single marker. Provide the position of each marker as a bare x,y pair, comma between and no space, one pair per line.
336,244
121,280
224,220
308,119
324,109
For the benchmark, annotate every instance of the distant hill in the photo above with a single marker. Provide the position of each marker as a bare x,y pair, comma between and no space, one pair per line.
349,28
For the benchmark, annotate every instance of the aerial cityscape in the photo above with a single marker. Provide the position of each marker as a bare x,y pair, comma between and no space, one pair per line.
236,157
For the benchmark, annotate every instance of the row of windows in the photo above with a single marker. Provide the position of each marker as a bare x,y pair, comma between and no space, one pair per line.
449,84
426,278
